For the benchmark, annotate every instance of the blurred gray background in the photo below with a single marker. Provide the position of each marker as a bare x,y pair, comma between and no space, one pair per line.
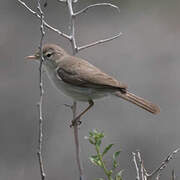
146,57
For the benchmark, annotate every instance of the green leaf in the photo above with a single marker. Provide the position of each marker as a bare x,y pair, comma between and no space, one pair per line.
95,160
107,149
99,179
98,142
95,131
119,175
95,157
115,164
110,172
98,134
118,178
90,134
115,155
89,139
101,135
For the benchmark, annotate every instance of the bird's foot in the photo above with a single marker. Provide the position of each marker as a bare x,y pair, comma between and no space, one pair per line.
68,106
75,122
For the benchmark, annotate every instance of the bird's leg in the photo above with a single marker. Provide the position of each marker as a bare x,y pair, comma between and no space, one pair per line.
77,119
69,106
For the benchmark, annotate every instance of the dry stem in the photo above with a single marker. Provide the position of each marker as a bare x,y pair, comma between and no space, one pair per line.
157,172
40,138
74,106
95,5
173,177
136,166
75,48
45,23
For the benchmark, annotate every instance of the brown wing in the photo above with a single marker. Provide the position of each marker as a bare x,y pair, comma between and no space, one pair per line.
79,72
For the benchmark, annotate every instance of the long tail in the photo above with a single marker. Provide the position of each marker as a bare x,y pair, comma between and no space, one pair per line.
139,102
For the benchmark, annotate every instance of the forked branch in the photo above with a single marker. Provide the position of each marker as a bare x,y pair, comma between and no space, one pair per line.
164,164
45,23
70,37
76,49
141,171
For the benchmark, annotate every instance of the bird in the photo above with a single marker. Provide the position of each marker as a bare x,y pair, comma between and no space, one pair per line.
82,81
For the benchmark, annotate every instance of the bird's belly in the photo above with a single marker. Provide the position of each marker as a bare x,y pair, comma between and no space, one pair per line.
75,92
80,93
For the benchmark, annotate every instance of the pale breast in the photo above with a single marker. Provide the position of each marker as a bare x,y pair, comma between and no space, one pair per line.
75,92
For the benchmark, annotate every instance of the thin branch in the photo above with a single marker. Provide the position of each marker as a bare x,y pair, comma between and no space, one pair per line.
76,139
173,177
75,48
99,42
164,164
95,5
74,107
57,31
40,138
157,172
72,27
63,1
142,169
136,166
45,23
158,176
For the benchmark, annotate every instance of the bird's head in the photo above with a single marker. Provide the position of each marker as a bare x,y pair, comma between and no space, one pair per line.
52,54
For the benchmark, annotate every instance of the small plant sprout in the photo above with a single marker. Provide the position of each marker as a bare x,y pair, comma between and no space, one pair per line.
95,138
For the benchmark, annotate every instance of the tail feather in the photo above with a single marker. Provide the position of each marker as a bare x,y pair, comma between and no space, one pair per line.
139,102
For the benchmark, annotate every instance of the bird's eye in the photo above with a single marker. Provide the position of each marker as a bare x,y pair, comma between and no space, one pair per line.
49,54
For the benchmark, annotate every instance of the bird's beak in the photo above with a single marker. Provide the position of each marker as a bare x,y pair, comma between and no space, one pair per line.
32,57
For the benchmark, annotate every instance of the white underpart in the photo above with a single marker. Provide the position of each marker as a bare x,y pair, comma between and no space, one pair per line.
75,92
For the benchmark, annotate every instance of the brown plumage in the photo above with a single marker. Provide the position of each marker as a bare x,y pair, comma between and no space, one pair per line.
79,72
83,81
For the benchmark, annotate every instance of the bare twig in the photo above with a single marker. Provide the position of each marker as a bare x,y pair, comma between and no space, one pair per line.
72,26
95,5
76,139
74,106
164,164
99,42
136,166
75,48
39,153
45,23
74,1
158,176
40,138
142,169
173,177
157,172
